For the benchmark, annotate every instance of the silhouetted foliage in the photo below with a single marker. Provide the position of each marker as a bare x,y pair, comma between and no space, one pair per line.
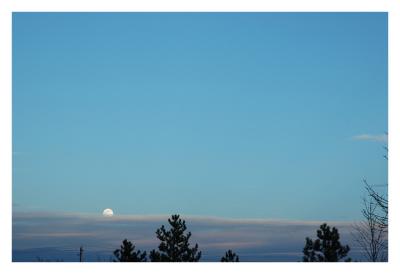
380,199
327,248
127,254
370,235
382,203
230,256
174,246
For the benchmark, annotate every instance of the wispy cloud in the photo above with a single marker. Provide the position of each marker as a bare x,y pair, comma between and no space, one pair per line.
252,239
371,137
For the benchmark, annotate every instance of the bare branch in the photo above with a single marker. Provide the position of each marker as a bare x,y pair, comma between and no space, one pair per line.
370,235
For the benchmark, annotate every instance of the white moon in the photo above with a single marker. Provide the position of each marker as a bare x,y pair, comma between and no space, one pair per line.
108,212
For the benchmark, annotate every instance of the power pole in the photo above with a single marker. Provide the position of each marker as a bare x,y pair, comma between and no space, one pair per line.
81,254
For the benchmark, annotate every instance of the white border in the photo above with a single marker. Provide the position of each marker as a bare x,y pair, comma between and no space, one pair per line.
8,6
204,5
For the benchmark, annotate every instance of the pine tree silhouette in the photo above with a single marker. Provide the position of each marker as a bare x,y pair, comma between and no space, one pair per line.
230,257
127,254
174,246
327,248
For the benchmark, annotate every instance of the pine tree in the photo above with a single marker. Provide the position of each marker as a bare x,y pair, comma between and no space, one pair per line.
327,248
127,254
174,246
230,256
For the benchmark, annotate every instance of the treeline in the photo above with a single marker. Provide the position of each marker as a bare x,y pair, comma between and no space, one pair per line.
175,247
175,244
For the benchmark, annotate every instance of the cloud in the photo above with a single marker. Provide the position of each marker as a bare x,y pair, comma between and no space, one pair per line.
59,235
370,137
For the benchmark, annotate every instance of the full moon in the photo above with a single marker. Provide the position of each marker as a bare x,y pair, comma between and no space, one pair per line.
108,212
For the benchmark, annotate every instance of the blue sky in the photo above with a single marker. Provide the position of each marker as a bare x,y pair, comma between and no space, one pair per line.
240,115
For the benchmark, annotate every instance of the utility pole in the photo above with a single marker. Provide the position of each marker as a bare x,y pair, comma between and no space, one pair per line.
81,254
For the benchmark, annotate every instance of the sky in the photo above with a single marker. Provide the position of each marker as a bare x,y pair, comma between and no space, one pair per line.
233,115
